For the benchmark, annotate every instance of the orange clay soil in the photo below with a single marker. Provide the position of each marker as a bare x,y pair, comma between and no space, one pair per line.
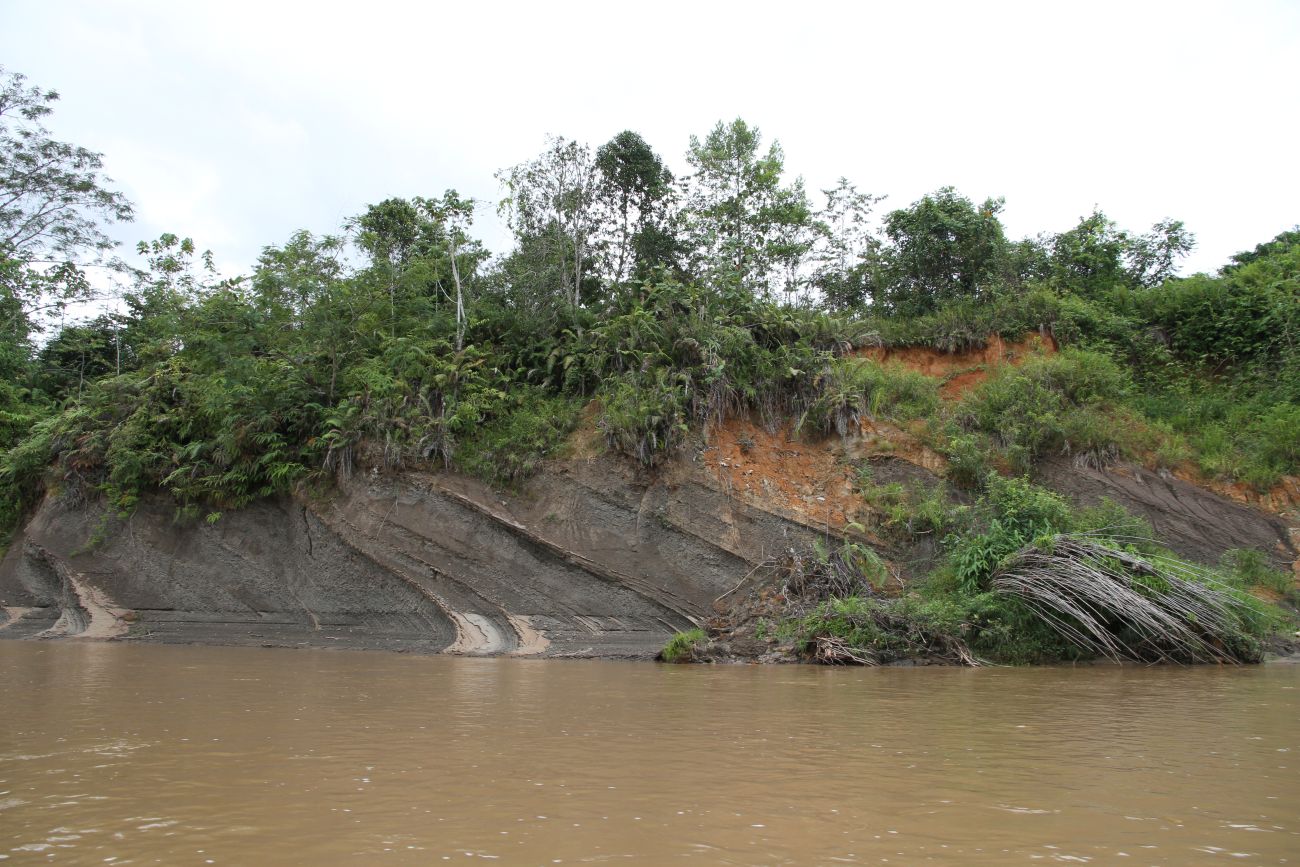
814,480
962,371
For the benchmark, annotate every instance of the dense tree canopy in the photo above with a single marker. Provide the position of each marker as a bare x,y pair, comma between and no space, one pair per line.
743,224
54,202
942,248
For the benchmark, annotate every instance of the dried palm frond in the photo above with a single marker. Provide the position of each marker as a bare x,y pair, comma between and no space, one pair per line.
1126,605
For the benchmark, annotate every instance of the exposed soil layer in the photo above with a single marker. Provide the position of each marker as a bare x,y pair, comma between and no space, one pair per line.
959,372
587,561
1194,522
814,483
1282,498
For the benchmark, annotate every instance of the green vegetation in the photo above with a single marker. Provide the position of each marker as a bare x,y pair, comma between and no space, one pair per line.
909,511
681,647
1031,579
665,304
850,389
1249,569
1063,404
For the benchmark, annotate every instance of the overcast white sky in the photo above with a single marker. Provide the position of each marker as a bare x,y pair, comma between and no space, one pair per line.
239,122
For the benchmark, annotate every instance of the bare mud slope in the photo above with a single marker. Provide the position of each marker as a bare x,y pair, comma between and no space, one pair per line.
585,562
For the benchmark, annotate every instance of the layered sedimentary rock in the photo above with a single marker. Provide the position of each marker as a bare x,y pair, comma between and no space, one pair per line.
590,558
586,561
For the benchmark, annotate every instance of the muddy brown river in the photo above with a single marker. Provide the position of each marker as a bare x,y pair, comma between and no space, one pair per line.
113,754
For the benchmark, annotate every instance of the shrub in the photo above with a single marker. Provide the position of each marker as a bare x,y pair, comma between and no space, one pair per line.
681,647
645,419
968,457
911,511
1012,512
849,389
1060,402
511,447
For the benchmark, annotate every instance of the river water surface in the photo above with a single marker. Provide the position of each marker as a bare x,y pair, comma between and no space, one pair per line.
117,754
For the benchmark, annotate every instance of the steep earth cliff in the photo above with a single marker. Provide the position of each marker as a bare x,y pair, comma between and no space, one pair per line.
591,558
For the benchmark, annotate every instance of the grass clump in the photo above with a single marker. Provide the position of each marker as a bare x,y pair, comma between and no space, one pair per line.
1249,568
1063,403
850,389
910,511
1245,429
645,420
966,324
681,647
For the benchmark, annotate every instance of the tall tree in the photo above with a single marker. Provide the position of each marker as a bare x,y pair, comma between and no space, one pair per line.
174,280
290,279
54,204
79,354
453,216
1089,258
1153,258
389,233
302,291
744,224
550,206
633,186
847,248
421,254
941,248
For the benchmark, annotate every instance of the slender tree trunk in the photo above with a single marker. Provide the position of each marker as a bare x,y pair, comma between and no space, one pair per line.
623,245
334,374
392,304
577,264
460,301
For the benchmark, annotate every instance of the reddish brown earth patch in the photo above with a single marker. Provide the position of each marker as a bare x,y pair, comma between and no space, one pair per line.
813,480
805,478
962,371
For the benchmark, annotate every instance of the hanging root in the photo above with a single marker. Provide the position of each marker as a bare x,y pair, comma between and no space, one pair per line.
1126,605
